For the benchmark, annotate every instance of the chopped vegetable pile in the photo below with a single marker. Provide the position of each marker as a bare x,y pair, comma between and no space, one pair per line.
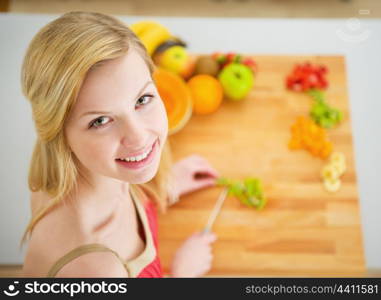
332,171
249,192
323,114
307,135
306,76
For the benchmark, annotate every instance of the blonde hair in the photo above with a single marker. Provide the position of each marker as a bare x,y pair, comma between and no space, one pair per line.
54,68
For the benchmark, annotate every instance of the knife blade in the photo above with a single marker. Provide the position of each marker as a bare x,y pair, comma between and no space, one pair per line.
216,210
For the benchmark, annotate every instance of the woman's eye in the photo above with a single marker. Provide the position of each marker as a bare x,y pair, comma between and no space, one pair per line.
145,101
97,124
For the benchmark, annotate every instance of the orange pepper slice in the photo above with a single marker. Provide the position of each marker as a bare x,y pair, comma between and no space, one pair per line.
305,134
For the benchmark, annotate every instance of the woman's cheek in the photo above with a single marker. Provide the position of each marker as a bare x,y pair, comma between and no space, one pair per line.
162,118
96,147
155,118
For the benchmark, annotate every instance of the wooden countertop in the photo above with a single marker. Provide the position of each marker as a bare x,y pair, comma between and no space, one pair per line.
303,230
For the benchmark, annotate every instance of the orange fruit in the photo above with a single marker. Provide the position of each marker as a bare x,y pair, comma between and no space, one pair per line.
207,93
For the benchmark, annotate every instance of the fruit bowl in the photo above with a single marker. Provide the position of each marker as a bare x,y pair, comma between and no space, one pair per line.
176,97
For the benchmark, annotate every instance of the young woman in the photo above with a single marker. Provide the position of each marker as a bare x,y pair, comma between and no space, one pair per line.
101,163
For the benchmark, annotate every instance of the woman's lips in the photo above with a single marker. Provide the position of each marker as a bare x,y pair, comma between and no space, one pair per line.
139,153
142,163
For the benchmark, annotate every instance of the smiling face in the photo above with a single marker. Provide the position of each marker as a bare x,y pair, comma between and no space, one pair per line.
130,118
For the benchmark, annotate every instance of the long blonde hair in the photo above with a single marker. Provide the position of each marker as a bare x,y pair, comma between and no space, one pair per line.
54,68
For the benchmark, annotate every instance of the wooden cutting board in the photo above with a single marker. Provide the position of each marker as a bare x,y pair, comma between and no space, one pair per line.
304,230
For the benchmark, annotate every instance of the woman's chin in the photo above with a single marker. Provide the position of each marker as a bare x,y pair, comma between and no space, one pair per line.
140,178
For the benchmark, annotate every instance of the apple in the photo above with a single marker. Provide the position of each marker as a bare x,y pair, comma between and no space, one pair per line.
174,59
189,68
237,80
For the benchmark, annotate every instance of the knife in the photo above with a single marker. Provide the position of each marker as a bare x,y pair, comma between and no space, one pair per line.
216,210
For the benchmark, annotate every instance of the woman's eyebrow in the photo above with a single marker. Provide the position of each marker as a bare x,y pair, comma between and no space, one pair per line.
107,112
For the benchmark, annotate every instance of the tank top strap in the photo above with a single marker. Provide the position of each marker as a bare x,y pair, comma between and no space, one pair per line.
76,252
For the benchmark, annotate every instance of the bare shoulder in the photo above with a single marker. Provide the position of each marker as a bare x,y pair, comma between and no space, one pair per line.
39,255
50,239
55,235
94,264
36,252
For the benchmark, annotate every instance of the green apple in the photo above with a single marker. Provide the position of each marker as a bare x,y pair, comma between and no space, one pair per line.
174,59
237,80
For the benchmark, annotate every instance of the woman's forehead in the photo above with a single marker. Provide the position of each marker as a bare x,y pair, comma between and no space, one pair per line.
130,64
118,78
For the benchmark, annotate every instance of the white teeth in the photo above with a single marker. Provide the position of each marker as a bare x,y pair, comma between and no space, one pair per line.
137,158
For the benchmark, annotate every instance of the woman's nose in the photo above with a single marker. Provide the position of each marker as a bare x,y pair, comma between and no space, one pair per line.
134,134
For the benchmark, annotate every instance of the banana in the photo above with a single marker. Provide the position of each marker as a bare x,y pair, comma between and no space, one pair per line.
332,185
151,33
329,172
332,171
340,167
337,157
154,38
142,26
338,160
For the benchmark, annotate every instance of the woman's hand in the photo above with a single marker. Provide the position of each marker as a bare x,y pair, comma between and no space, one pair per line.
194,257
192,173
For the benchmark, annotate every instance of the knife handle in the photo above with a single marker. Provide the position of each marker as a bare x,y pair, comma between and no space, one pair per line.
205,230
216,210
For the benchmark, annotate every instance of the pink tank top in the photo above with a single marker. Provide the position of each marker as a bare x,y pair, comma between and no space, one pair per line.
154,269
